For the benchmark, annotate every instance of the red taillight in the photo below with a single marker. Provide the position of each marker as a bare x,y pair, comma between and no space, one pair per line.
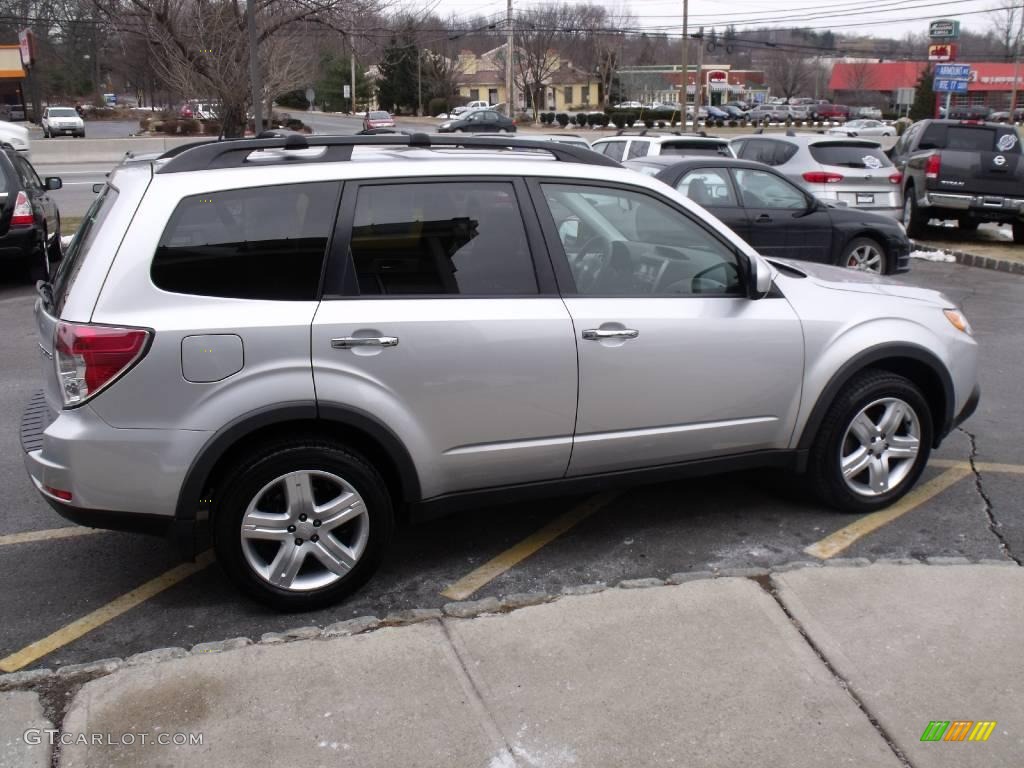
895,178
89,357
57,492
22,216
822,177
932,166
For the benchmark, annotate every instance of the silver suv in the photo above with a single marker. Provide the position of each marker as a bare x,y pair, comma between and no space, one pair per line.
294,343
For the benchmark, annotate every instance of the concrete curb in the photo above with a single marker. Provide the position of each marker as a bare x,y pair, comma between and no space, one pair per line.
974,260
79,674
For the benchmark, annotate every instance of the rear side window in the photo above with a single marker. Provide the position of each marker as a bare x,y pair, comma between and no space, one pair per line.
457,237
850,155
768,152
258,243
613,149
638,149
74,256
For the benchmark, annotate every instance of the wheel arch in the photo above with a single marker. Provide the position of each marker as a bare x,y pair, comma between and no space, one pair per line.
913,362
358,430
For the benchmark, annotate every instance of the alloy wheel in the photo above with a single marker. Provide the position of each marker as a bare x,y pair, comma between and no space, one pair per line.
304,530
866,258
880,447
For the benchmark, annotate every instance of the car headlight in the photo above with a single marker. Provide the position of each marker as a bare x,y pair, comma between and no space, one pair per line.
958,320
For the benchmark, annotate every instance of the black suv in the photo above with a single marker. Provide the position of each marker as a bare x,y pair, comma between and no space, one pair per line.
29,219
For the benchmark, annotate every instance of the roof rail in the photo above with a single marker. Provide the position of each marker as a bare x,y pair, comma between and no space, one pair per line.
234,153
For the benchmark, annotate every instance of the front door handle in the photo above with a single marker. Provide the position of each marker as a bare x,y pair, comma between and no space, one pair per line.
764,218
599,334
347,342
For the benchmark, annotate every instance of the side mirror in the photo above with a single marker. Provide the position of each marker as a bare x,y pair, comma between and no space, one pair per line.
761,274
53,182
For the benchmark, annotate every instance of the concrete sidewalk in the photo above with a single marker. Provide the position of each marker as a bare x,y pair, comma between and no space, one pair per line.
808,667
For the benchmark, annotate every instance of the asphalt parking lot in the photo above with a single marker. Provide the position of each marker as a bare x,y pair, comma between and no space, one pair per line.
71,595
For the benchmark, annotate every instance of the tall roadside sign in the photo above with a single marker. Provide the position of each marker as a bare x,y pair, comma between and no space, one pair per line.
949,78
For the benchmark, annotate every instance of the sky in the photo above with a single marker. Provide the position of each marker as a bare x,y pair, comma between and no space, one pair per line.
889,18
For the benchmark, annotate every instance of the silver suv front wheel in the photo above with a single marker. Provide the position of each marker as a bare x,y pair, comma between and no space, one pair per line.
302,524
872,444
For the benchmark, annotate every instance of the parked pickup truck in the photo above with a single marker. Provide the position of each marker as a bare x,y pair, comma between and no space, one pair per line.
967,171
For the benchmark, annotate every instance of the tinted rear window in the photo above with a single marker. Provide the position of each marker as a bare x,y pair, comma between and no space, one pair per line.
259,243
972,138
850,155
695,148
385,115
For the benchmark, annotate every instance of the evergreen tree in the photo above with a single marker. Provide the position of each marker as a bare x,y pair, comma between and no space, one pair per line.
924,97
396,87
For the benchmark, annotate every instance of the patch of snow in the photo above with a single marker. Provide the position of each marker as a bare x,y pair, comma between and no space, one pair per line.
502,760
932,256
65,241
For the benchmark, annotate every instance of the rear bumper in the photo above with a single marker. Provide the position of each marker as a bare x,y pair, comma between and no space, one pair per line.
994,207
123,479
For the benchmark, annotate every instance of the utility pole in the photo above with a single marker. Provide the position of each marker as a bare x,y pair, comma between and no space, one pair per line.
698,95
684,86
510,96
352,69
254,69
1016,67
419,80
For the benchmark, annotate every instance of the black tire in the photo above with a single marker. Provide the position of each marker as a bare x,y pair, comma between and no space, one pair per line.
914,219
967,224
824,473
38,264
46,134
243,483
1018,231
865,242
55,251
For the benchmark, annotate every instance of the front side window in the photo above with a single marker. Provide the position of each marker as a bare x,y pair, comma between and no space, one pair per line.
458,237
766,190
256,243
620,242
708,187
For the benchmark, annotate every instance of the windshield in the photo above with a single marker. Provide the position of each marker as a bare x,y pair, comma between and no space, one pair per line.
850,155
63,112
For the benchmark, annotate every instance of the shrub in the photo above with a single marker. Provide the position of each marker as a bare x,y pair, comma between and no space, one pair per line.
294,124
618,119
562,118
188,127
596,120
437,106
169,126
212,127
145,122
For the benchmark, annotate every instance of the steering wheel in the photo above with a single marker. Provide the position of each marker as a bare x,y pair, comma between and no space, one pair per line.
591,263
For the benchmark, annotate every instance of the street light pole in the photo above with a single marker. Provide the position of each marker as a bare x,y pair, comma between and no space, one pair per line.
254,69
683,87
698,95
1016,67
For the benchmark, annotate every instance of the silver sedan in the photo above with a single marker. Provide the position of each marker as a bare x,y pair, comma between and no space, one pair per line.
863,128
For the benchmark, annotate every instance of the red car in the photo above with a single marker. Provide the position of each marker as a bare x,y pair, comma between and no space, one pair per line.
378,120
836,112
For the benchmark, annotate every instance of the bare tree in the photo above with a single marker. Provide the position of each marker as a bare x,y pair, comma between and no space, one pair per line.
1007,26
860,78
200,47
788,72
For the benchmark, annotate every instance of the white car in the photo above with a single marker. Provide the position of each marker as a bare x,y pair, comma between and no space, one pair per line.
16,136
863,128
62,121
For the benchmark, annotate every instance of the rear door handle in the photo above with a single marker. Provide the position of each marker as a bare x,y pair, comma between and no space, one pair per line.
764,218
597,334
347,342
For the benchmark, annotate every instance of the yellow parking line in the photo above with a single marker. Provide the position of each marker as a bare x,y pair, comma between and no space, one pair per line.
490,570
982,466
836,542
67,532
103,614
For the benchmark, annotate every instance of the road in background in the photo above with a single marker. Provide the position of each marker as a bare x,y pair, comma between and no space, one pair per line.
76,195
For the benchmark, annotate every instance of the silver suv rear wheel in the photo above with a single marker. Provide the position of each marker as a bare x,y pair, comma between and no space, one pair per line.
305,530
300,524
